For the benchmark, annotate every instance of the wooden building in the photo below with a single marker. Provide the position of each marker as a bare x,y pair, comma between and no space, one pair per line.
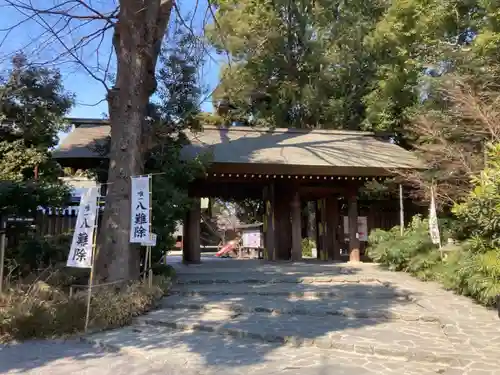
284,167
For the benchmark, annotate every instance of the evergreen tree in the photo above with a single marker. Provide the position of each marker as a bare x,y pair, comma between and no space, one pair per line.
33,104
295,63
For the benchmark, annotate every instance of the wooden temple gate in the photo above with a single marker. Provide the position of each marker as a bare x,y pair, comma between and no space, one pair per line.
284,197
282,167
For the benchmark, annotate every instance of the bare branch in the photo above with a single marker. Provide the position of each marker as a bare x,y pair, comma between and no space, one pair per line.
59,10
452,140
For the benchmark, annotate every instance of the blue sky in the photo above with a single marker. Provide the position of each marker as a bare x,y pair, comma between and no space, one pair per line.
42,48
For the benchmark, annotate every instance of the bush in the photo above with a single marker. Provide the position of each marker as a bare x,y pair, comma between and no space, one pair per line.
41,310
163,270
411,252
474,268
307,246
36,253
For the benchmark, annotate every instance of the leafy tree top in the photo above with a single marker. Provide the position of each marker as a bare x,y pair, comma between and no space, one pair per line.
33,105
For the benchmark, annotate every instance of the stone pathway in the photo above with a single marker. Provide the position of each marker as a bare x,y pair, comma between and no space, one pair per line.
248,317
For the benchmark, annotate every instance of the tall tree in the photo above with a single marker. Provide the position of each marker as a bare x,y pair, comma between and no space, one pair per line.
175,108
437,86
295,63
33,104
138,28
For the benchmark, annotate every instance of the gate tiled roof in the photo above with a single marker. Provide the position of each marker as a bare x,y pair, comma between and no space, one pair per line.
320,148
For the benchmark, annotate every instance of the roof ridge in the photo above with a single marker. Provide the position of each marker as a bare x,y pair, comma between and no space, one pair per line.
93,122
285,130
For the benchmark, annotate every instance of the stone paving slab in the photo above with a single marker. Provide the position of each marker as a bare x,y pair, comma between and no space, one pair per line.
419,342
377,307
473,329
228,355
63,357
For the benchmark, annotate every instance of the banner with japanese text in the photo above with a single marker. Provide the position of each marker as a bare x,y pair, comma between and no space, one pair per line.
82,245
140,211
433,221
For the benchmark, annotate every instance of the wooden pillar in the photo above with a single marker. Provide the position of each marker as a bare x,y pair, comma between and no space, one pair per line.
321,229
332,223
354,252
210,207
269,224
191,251
296,253
283,224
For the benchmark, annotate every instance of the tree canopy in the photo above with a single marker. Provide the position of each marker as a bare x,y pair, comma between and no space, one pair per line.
424,71
33,104
295,63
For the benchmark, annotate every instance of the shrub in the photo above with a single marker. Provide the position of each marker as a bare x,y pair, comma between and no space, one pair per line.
164,270
307,246
411,252
41,310
474,268
39,252
478,267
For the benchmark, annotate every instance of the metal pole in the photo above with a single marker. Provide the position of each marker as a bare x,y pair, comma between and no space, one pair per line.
3,226
401,210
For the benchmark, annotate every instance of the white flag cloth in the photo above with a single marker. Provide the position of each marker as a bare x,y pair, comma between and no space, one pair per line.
81,251
140,214
433,222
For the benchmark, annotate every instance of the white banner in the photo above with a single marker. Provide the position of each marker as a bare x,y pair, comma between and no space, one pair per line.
433,221
140,215
80,253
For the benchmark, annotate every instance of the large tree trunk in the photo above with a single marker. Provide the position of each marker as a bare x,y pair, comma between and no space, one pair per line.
137,40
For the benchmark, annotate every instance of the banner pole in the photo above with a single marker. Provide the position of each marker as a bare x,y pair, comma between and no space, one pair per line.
91,277
401,210
150,272
3,229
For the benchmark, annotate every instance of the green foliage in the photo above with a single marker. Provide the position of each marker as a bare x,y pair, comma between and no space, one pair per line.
480,212
478,268
33,104
177,109
38,252
473,269
397,251
164,270
294,63
307,245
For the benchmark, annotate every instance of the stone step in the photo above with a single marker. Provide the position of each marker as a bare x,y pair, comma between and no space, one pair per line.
415,341
260,278
357,290
195,352
377,308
